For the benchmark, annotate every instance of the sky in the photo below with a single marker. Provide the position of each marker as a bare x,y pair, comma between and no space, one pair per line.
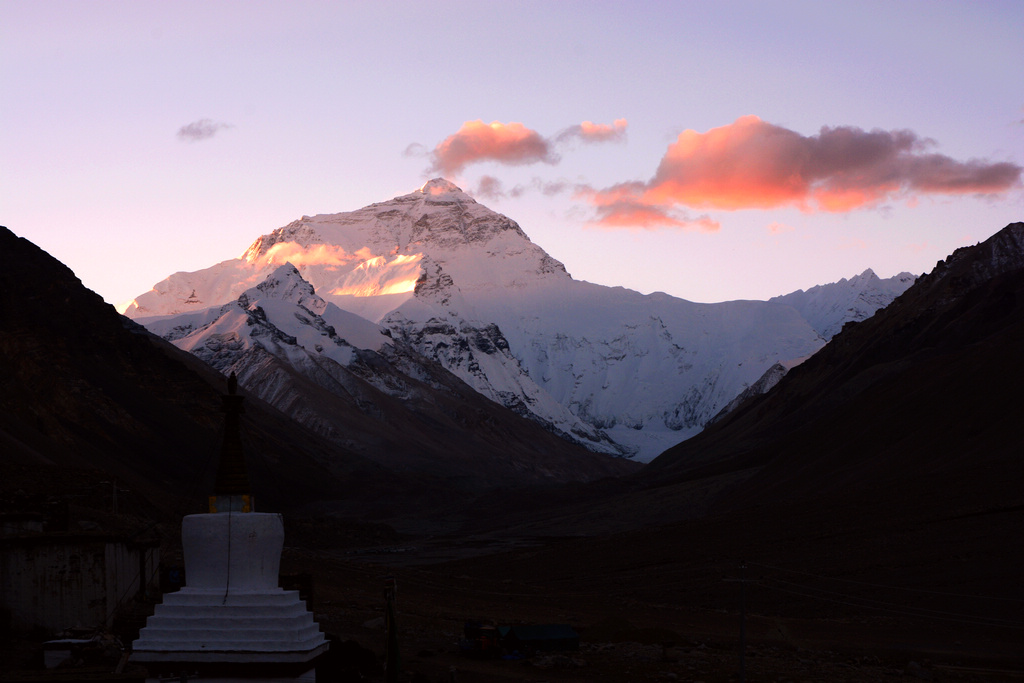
711,150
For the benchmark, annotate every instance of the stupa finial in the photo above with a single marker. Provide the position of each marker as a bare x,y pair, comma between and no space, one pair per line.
231,490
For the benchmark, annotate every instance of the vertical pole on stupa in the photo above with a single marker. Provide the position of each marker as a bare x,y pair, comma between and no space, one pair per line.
231,491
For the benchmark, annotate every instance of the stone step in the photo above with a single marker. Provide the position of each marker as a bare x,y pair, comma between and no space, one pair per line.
250,620
238,645
217,597
213,611
233,656
234,631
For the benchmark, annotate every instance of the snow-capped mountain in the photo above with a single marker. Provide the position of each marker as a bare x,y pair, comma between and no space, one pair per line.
451,280
371,395
828,307
282,315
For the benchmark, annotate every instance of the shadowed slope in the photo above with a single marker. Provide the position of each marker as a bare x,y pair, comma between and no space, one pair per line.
82,387
925,391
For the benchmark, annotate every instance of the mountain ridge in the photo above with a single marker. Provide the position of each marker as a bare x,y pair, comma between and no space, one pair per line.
830,306
957,316
465,287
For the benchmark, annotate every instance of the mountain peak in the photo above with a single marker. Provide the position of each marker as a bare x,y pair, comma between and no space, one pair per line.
828,307
439,186
287,284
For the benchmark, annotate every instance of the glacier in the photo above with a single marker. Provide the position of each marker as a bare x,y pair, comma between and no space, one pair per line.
437,274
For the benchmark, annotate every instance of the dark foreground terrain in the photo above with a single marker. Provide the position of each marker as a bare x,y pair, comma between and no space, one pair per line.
878,593
879,588
865,516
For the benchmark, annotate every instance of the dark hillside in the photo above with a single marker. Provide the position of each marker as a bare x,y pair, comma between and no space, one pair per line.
83,388
923,396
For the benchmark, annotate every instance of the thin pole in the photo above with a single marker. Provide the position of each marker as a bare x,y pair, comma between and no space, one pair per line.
743,620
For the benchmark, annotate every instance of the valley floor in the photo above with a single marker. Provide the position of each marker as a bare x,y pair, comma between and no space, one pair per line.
824,602
625,637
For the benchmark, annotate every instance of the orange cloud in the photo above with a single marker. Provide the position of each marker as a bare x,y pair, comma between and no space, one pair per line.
618,209
595,132
751,164
508,143
602,131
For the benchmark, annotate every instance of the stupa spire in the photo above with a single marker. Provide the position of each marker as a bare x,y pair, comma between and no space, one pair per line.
231,490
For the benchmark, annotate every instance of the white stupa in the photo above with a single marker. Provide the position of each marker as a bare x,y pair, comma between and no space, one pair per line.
231,622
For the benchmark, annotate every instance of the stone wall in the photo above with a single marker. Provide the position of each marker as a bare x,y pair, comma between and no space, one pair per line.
56,582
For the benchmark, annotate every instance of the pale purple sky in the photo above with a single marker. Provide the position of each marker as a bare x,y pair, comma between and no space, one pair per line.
142,138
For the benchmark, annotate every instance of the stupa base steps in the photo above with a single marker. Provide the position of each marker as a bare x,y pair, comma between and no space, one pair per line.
234,670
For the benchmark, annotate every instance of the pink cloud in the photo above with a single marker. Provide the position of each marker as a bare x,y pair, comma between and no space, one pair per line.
507,143
601,131
625,211
751,164
510,143
595,132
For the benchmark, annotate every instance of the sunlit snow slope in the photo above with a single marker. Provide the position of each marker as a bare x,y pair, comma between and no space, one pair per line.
615,370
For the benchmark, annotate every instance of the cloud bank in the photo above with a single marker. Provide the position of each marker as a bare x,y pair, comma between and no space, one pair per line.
751,164
203,129
512,144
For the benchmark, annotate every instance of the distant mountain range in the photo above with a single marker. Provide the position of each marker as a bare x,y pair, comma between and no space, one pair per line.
392,291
